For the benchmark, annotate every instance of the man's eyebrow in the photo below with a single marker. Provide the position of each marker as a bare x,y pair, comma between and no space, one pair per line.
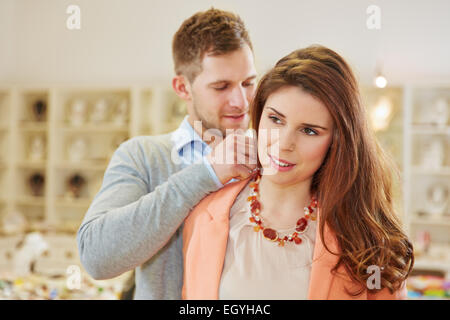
303,124
227,81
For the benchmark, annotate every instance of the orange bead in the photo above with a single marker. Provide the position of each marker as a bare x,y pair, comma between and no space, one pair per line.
297,240
281,243
252,219
256,228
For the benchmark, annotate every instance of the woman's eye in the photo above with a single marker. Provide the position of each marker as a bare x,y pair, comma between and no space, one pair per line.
275,119
308,131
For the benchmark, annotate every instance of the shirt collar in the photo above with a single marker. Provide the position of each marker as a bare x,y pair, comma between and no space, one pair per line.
185,134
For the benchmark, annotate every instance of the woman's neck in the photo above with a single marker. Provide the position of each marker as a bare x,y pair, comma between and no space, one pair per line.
283,205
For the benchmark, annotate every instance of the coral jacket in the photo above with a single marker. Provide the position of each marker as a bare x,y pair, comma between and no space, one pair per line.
205,236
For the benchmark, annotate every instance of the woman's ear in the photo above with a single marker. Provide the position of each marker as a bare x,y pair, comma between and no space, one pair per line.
181,87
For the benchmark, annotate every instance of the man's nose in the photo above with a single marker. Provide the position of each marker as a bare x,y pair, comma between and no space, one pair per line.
238,98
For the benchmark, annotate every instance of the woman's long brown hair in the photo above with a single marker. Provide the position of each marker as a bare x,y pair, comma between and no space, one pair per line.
354,183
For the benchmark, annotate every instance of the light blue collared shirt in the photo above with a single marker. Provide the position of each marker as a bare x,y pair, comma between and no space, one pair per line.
191,148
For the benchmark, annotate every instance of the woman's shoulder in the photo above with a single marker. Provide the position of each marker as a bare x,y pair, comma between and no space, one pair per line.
223,199
240,203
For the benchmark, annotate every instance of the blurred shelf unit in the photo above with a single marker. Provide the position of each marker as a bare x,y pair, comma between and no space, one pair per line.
427,174
56,142
385,111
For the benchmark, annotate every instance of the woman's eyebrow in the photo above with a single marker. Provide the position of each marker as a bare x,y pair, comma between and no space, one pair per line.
303,124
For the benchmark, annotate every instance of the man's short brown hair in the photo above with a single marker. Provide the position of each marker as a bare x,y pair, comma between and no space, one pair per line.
214,31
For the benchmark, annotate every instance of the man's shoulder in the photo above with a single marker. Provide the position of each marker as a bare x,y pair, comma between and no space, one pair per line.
154,143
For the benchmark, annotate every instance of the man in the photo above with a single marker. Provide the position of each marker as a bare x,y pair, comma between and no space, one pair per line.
152,182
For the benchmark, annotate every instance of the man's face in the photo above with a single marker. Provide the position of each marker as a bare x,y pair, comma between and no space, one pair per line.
222,92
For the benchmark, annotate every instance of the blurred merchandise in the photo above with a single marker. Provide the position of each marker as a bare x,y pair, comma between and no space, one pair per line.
14,222
439,112
77,150
42,287
36,183
433,157
46,265
75,183
422,242
100,111
37,148
28,252
78,111
121,114
437,199
428,287
40,109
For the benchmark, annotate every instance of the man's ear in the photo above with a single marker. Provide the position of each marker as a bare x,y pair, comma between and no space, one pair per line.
182,87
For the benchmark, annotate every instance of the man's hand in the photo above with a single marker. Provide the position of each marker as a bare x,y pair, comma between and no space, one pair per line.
234,157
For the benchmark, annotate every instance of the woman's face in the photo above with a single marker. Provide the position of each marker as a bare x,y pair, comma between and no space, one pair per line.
294,134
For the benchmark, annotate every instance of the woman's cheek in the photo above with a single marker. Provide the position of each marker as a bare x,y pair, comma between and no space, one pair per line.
320,151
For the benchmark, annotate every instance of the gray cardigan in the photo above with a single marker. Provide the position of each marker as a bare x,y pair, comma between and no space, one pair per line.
135,220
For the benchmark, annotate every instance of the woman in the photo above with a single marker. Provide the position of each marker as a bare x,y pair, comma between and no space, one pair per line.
319,222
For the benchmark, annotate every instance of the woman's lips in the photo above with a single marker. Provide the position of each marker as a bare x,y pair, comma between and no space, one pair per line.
279,167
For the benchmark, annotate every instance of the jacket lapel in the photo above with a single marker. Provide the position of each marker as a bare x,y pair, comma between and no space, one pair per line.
321,277
324,285
220,210
205,238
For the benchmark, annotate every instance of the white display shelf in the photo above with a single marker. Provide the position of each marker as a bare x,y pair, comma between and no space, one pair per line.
73,203
32,164
435,265
149,111
444,171
85,165
31,201
438,221
429,129
419,131
95,128
33,127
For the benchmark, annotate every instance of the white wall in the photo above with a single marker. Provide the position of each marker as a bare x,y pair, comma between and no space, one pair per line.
130,41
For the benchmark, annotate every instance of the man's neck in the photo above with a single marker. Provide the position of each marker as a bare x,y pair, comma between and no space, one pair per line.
203,132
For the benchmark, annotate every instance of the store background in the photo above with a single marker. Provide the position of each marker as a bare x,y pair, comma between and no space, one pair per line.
118,67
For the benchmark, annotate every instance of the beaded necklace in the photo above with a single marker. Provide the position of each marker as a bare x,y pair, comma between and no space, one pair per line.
272,234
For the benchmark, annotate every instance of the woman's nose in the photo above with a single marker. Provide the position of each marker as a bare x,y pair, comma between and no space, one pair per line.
287,140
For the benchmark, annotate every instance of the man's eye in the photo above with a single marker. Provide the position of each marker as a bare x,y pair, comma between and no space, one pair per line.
275,119
220,88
